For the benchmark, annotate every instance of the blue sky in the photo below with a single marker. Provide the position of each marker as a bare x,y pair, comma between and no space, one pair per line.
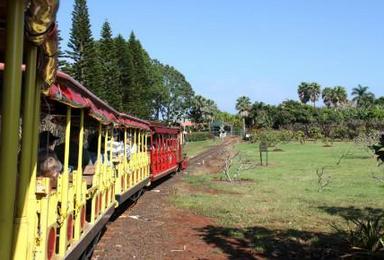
259,48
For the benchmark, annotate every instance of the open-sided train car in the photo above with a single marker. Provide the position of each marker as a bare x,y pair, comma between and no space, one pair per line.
166,150
67,159
66,213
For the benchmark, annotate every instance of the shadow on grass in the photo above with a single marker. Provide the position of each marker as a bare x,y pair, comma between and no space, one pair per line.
352,212
255,242
359,157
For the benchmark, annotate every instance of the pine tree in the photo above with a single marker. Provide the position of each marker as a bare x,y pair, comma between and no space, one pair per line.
109,64
63,64
84,65
141,96
125,67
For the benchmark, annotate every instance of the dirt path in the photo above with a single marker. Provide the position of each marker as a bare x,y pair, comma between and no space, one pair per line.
154,229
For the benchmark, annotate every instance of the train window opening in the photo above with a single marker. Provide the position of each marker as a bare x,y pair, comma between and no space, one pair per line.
130,145
90,148
52,141
116,143
49,164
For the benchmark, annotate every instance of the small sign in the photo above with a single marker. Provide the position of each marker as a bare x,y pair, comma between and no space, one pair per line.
263,147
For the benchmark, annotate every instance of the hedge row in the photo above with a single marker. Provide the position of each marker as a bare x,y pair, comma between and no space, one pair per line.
198,136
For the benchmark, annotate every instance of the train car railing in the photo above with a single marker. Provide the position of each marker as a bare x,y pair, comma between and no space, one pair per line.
132,170
165,150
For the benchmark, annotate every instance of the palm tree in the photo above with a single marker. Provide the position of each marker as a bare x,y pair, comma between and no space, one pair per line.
339,96
197,109
327,96
202,109
303,92
243,106
314,92
209,111
361,95
309,92
334,96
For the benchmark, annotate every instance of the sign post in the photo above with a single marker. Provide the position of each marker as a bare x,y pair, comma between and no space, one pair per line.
263,147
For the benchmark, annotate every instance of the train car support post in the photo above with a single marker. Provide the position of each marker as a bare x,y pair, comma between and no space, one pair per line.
79,178
64,188
22,221
10,122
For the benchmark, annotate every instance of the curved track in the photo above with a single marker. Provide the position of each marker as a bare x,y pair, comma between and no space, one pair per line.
153,229
214,150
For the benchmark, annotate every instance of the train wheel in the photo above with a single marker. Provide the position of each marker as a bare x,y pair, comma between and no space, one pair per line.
137,195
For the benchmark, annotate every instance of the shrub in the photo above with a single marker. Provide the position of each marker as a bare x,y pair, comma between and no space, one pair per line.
300,136
314,132
367,233
265,136
379,149
364,233
272,137
198,136
286,136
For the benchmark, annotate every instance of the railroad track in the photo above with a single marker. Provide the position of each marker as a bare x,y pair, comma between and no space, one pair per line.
212,151
154,222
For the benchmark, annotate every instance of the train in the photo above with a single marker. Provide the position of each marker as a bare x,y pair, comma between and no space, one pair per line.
68,160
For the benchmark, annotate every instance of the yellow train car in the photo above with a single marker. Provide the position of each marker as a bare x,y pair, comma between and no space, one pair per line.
65,213
67,159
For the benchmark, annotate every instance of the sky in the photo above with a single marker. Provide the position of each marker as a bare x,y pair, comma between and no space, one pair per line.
258,48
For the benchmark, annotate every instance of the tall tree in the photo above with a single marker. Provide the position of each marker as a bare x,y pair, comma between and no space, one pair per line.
82,54
111,91
243,106
180,94
339,96
210,110
125,66
140,101
361,96
303,92
314,92
202,109
335,97
327,95
261,115
309,91
63,64
162,97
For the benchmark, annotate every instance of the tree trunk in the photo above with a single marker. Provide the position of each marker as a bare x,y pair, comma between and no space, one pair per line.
244,126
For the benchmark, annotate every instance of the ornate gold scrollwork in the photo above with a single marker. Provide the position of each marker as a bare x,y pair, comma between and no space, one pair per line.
48,61
41,30
40,19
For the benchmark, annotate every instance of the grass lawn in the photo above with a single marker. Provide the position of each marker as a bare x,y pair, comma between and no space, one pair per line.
282,202
194,148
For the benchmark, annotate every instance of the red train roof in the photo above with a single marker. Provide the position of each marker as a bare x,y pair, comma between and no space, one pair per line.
70,92
159,128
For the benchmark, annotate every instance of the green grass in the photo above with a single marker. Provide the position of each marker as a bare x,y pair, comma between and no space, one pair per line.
194,148
285,195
